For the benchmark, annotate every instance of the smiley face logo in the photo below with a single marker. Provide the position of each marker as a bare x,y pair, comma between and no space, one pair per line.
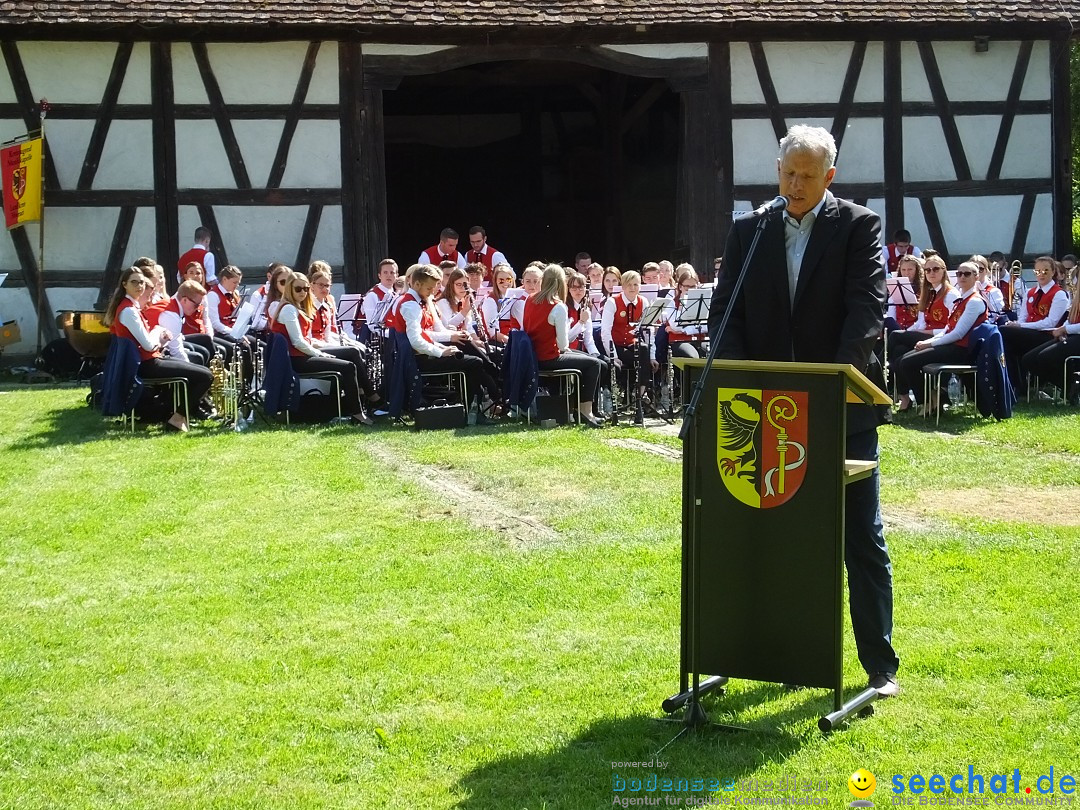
862,784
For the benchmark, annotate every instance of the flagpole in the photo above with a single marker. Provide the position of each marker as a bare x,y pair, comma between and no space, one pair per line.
43,106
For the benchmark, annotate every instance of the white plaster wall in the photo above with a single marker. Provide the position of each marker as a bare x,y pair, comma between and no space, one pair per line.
136,86
76,238
68,141
253,236
329,243
1041,234
187,83
11,127
971,76
806,72
258,141
200,156
913,85
914,221
1037,82
68,72
745,87
871,86
978,133
7,91
127,161
143,239
926,155
1029,149
978,224
324,80
391,49
258,73
314,156
861,159
755,149
678,50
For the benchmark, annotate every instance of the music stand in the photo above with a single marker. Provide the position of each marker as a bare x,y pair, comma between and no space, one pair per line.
652,316
695,309
349,310
900,292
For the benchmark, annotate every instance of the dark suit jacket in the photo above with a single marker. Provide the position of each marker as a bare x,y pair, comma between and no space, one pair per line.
839,301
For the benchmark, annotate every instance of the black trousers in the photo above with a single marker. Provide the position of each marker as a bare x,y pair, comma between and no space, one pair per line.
899,344
196,352
1018,342
476,377
1047,361
589,367
198,378
909,373
363,371
350,390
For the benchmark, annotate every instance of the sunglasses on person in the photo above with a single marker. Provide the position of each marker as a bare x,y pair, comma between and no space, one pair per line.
964,273
300,289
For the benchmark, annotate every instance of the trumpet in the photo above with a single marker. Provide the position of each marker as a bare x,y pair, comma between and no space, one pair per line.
1016,290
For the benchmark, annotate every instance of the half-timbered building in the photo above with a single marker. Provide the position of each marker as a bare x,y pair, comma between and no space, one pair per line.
631,129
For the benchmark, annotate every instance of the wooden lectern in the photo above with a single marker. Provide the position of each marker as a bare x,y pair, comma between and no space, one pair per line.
763,527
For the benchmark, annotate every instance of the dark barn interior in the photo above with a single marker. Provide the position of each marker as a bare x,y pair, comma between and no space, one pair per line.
551,157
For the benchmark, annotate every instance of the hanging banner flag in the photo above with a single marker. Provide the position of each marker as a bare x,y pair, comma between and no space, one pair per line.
20,176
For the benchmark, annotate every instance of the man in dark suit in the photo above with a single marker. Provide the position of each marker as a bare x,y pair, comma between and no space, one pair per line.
815,292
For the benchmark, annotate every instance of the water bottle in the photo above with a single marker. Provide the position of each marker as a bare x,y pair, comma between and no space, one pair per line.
954,389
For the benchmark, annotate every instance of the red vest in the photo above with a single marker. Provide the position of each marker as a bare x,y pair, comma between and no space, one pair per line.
937,314
907,315
122,331
196,254
958,309
578,343
324,323
427,320
152,314
436,255
505,324
622,334
380,293
193,323
894,257
473,257
539,330
228,302
305,331
1040,311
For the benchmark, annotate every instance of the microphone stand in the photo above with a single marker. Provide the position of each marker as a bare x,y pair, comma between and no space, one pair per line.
694,716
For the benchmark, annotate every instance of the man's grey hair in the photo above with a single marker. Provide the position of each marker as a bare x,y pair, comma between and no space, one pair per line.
801,138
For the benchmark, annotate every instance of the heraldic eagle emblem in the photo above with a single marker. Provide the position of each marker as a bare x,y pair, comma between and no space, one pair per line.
761,444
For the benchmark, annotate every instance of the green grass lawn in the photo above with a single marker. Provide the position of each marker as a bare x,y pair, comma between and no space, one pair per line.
280,619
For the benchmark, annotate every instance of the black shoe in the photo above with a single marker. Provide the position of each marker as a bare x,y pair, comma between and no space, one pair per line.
885,684
589,422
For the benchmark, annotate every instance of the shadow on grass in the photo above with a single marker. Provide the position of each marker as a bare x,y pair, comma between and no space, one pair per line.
582,772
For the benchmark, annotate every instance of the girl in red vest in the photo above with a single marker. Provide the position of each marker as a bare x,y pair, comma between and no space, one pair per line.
1045,307
293,322
328,337
547,323
951,344
935,303
1047,362
495,310
126,322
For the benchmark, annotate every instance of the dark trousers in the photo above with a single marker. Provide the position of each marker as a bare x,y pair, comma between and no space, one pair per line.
353,355
1047,361
1018,342
869,568
198,378
578,361
476,377
196,352
899,344
350,391
909,374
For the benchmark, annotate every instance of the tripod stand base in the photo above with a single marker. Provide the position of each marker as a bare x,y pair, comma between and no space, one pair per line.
861,704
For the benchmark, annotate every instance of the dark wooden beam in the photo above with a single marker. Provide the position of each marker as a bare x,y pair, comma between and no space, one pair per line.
27,106
768,89
945,111
721,157
110,198
117,253
641,106
1020,69
28,263
221,115
847,93
1023,225
307,238
105,116
892,140
1061,145
933,227
166,211
350,95
373,203
217,239
292,117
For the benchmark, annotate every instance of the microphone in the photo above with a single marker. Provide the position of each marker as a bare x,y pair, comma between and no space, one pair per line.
771,207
